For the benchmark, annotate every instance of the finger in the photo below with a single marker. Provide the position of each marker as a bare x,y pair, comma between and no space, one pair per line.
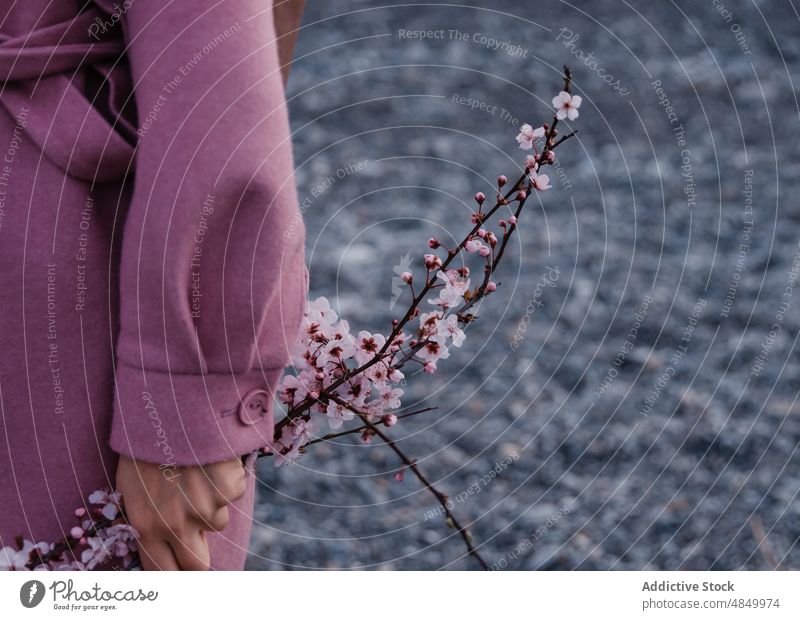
191,550
218,521
229,483
156,554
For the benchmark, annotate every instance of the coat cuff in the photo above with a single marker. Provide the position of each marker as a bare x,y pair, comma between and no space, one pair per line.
182,419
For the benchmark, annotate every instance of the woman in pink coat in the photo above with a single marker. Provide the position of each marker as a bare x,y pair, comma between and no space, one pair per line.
152,269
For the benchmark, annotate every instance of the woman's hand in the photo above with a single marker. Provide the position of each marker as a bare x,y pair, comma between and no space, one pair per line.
172,514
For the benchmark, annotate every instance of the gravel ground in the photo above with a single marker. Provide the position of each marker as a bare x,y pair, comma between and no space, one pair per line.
635,425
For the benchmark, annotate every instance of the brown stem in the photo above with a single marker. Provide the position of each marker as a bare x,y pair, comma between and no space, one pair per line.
361,429
412,465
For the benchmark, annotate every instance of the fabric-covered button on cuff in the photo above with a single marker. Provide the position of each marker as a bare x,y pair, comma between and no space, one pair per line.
254,407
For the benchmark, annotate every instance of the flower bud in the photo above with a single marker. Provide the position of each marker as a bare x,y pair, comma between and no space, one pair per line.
481,232
389,419
551,156
319,376
480,197
491,287
366,436
485,251
512,220
79,512
501,180
521,195
433,243
314,394
406,277
399,476
76,532
432,261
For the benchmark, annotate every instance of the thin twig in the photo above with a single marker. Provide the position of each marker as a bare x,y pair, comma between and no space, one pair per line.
412,465
764,547
361,429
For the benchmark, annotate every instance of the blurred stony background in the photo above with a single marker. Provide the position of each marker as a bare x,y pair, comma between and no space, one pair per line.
599,479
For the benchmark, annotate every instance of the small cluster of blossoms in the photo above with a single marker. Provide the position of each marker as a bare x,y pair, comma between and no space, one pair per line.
339,375
101,535
327,353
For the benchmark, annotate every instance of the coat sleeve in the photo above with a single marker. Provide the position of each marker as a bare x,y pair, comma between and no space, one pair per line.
213,282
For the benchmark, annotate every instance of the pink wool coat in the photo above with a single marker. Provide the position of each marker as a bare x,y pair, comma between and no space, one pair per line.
152,248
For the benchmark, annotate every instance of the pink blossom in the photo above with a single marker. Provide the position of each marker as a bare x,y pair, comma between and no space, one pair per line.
338,414
395,376
108,501
527,135
432,262
429,323
292,389
14,559
320,309
357,389
540,181
302,430
433,351
531,163
449,328
367,346
473,245
391,397
338,349
378,373
566,105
